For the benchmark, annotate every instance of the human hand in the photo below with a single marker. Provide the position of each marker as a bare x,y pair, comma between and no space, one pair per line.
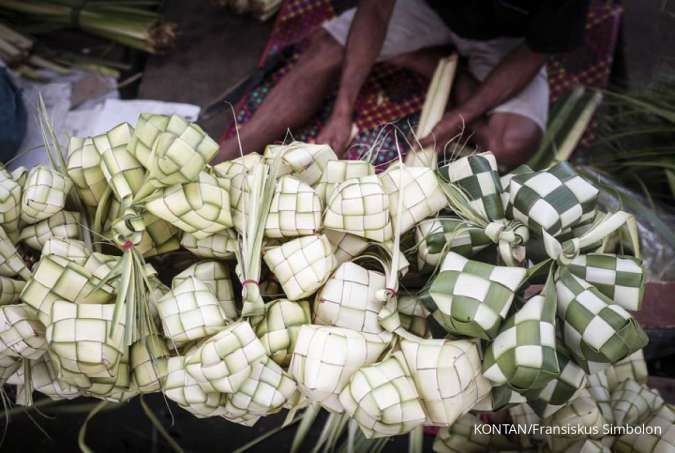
336,133
451,125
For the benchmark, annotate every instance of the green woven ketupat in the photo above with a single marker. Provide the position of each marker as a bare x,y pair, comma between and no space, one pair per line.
181,388
505,181
10,290
223,362
280,326
56,278
190,311
338,171
44,194
382,398
597,331
84,168
201,207
216,276
295,210
632,403
472,298
413,315
462,437
81,341
121,169
63,225
10,206
523,355
435,237
621,278
500,397
219,245
360,206
551,200
477,176
20,334
561,389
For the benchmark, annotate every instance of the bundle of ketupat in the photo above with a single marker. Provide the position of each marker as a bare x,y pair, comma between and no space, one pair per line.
325,235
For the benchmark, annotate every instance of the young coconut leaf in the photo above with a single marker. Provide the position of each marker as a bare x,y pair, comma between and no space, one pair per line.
582,412
301,265
84,169
20,334
295,210
58,279
223,362
44,194
216,276
338,171
11,263
125,174
422,193
264,392
382,398
279,328
360,206
44,379
598,389
190,311
632,403
632,367
63,225
346,246
10,290
435,237
148,362
219,245
305,161
413,315
81,341
348,299
10,206
325,358
447,376
201,207
181,388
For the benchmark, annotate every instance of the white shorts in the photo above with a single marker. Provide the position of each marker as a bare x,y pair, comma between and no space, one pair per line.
414,25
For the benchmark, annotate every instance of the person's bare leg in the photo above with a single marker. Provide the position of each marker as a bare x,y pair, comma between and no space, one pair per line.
293,101
511,137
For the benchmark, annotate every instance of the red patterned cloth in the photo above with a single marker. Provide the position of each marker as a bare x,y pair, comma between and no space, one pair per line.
393,95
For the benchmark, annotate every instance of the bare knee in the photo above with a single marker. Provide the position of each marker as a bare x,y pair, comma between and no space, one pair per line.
514,142
323,52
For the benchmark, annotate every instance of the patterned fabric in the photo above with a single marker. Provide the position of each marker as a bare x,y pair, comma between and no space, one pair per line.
392,94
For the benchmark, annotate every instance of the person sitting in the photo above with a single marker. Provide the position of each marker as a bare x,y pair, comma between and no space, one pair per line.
500,94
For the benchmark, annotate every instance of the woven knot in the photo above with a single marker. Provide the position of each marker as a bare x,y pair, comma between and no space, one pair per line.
570,250
513,232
